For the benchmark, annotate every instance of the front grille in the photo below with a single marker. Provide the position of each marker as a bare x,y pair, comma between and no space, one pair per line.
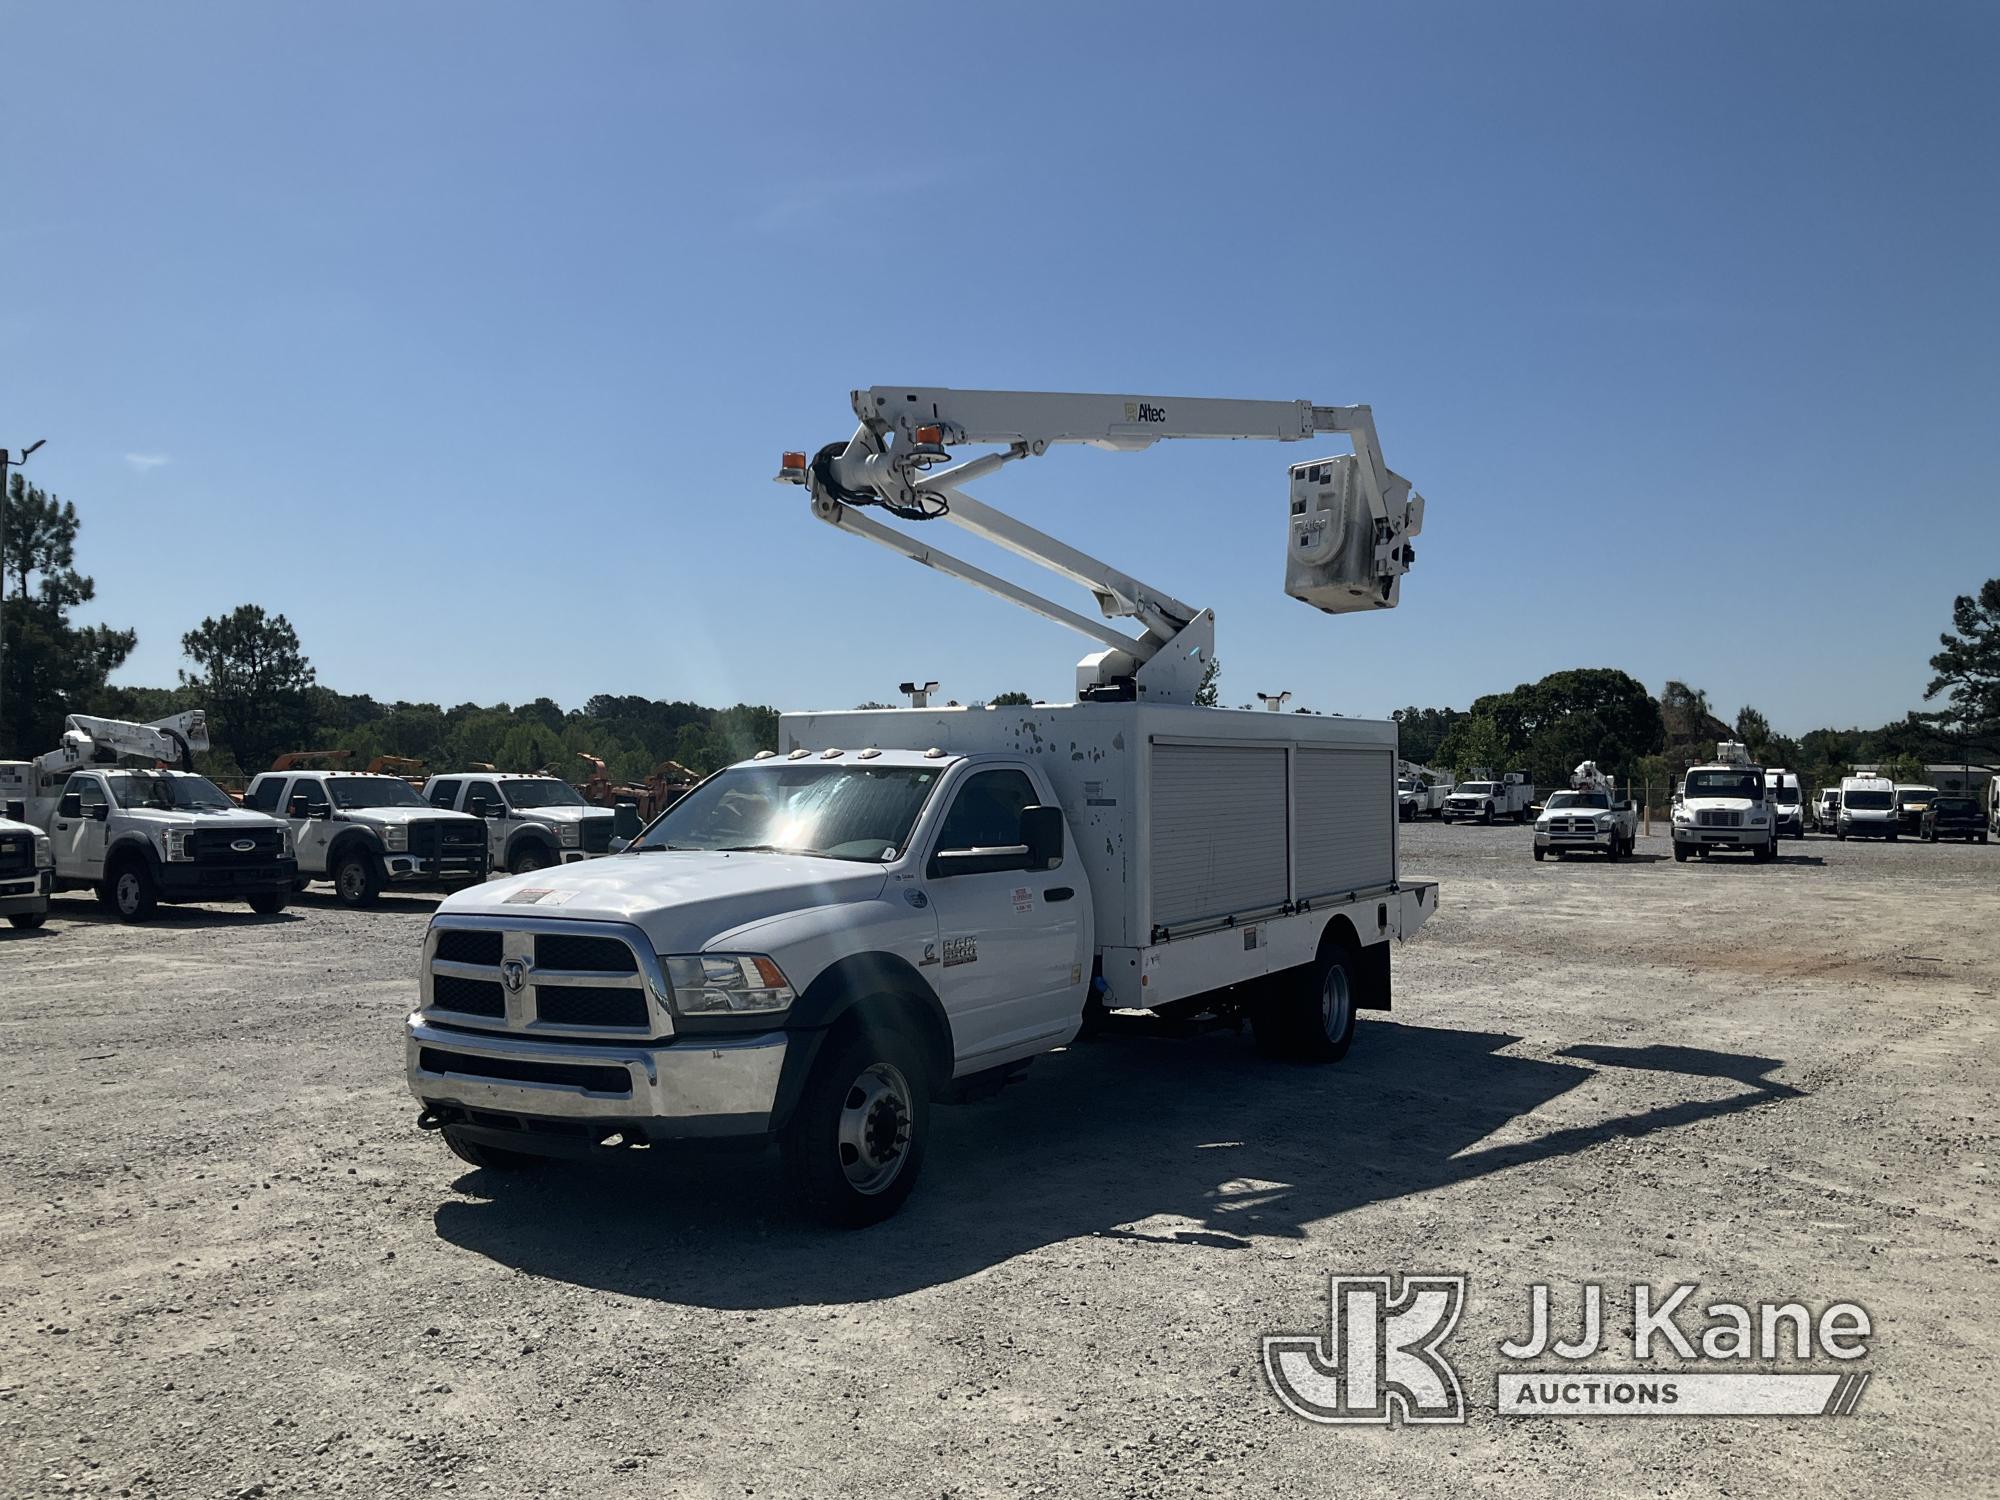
472,997
596,1080
215,845
590,1005
1716,817
596,955
1573,825
17,855
458,835
463,946
596,835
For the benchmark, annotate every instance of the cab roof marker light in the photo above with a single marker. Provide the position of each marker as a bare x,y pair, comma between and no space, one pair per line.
829,755
765,755
868,754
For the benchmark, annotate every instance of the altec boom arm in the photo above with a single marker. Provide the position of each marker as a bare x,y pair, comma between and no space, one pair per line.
1351,515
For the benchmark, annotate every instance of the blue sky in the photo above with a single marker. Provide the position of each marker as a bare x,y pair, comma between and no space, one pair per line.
468,335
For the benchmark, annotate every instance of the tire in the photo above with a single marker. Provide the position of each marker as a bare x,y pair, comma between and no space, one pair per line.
491,1158
270,903
529,858
300,884
355,881
130,893
1486,818
28,921
855,1143
1767,852
1842,837
1616,851
1311,1019
1680,854
1892,838
1538,856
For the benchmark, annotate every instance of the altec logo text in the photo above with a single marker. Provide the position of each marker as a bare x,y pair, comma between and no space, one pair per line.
1144,411
1382,1357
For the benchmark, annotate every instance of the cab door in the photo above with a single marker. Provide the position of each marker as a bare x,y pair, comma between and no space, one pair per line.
306,807
1012,942
81,837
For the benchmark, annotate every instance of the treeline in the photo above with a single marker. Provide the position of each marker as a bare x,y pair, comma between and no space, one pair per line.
249,671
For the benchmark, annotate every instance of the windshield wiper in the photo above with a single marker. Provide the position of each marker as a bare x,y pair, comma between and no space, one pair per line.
759,849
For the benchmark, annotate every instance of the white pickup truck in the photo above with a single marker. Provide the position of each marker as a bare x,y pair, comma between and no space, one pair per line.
532,822
1485,797
1589,817
364,831
906,906
27,868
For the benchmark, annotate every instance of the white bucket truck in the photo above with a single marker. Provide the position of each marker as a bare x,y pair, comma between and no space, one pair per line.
1485,797
1723,805
143,835
1590,817
901,907
1420,791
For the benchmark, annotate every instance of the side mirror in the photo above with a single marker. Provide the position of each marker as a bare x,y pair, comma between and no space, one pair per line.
71,806
481,807
299,807
323,811
17,811
100,811
1042,833
625,821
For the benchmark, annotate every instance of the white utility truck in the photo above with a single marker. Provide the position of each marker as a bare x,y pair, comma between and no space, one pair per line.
532,822
1484,797
905,906
27,868
140,836
1787,799
1723,805
1867,808
1420,791
1589,817
364,831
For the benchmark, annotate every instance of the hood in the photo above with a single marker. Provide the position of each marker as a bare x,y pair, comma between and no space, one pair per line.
187,817
1730,804
680,899
561,814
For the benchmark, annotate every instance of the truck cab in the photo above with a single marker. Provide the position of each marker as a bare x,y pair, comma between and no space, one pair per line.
532,822
1724,805
365,832
1826,809
142,837
1868,808
1787,801
1913,804
27,868
1589,817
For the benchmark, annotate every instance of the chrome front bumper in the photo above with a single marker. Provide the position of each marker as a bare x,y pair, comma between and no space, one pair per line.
717,1086
1595,840
26,893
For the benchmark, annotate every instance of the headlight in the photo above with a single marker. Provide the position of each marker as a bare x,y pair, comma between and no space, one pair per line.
1758,820
287,849
1682,815
1603,822
45,852
710,984
396,837
572,833
175,841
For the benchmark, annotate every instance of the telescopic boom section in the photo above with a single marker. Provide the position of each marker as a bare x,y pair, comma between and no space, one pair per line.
1350,516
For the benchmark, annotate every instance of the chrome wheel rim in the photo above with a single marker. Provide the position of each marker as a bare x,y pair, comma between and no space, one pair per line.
874,1135
127,891
1334,1004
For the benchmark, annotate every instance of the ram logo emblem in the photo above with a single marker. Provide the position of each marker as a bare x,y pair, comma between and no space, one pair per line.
514,974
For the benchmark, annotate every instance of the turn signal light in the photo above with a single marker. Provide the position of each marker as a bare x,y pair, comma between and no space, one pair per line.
793,461
933,435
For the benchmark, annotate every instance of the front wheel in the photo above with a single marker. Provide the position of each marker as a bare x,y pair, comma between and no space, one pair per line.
1538,856
355,881
28,921
856,1139
130,893
528,859
269,904
1486,817
1681,853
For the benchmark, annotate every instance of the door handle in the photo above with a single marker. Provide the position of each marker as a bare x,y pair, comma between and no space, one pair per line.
1057,893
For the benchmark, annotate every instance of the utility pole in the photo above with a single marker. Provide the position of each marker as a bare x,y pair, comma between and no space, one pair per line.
7,459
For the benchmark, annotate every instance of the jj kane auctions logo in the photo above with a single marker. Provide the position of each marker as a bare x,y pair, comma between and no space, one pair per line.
1381,1358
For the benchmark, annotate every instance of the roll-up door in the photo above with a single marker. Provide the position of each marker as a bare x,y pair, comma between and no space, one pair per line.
1218,832
1346,803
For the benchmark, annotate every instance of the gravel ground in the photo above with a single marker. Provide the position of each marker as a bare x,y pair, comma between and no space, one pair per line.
232,1266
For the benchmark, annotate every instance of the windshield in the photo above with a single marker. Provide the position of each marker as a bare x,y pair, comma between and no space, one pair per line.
1956,805
1475,788
1725,784
540,794
372,791
1404,784
844,812
1866,801
1578,799
1779,792
153,789
1908,794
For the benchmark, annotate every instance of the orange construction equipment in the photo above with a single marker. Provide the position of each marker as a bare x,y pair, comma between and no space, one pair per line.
662,787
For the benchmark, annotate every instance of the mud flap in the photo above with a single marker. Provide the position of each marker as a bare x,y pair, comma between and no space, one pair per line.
1373,963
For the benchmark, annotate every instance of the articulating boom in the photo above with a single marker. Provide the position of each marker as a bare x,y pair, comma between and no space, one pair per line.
1347,545
92,741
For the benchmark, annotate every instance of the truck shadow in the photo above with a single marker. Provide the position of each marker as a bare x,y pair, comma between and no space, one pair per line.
417,903
1095,1140
86,911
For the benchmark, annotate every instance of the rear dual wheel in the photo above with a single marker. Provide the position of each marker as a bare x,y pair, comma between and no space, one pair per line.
1311,1018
